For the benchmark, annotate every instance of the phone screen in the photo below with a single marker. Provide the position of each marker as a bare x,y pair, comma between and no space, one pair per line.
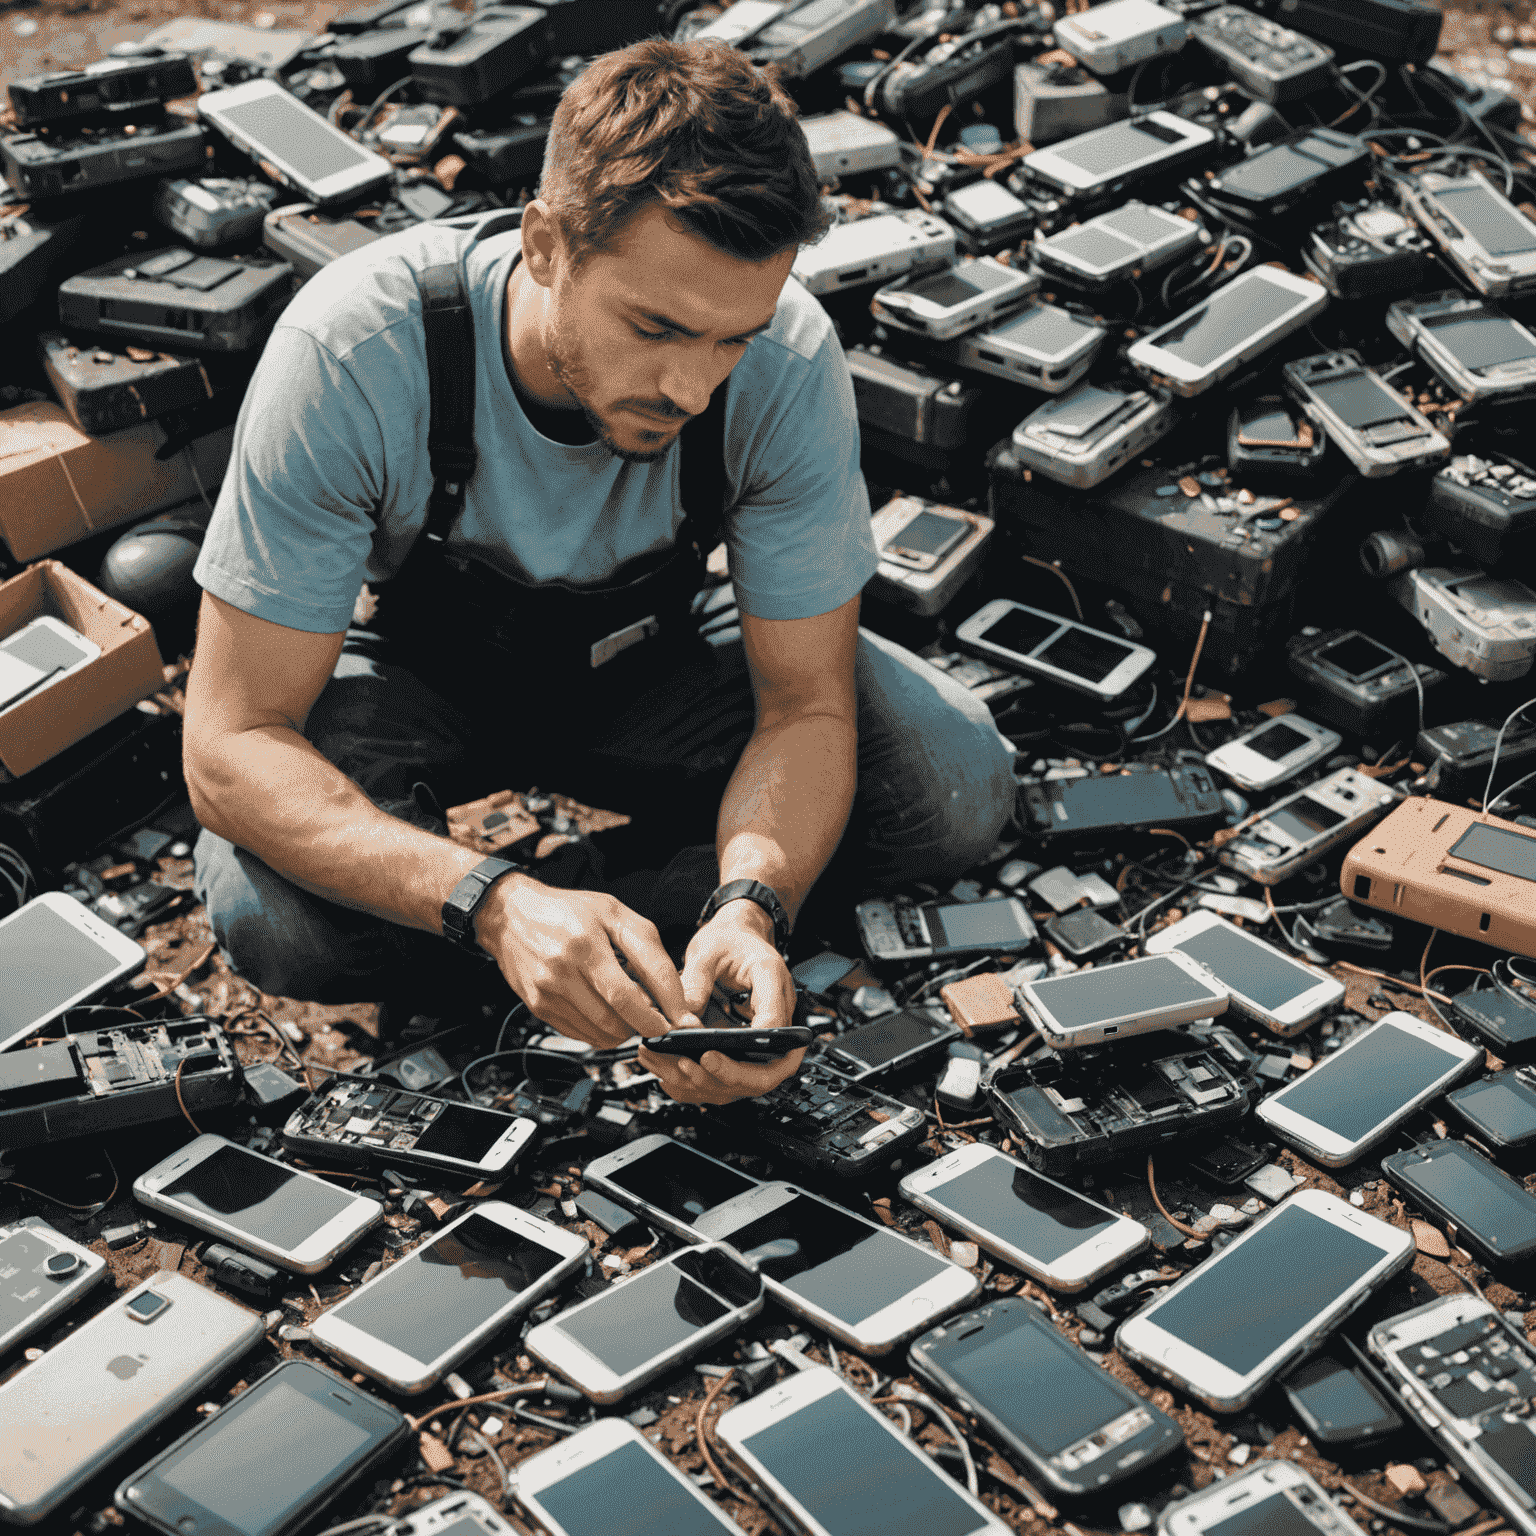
869,1484
1484,1201
1358,656
1115,799
1338,1396
301,1442
841,1264
1488,218
426,1303
974,924
1255,969
680,1182
1084,654
1272,172
1047,332
929,534
462,1131
276,1205
1269,427
1135,988
282,127
1367,1082
1304,818
45,961
1274,1516
1497,848
1094,247
984,202
625,1493
1278,741
1105,151
1254,1296
1482,341
1068,1397
45,648
1360,400
1506,1110
1229,317
887,1038
642,1318
1022,1209
1020,630
945,289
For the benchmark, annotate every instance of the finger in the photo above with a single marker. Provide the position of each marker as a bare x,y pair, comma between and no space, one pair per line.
579,1008
773,993
680,1078
701,970
654,973
626,1000
746,1079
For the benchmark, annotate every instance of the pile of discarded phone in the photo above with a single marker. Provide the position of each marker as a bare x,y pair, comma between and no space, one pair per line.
1169,1170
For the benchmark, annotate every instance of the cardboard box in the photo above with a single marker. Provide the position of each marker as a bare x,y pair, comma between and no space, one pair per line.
59,485
67,711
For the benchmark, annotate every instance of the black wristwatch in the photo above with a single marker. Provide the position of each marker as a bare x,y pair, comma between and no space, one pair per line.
752,890
465,898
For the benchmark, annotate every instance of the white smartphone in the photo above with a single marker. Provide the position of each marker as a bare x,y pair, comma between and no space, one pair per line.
1264,984
641,1326
1132,997
841,144
1098,163
835,1466
666,1181
39,654
460,1514
867,250
1488,240
294,143
1271,753
867,1286
1240,320
609,1480
1121,33
960,298
1128,241
417,1319
42,1273
294,1219
1349,1101
1270,1498
1057,1236
1266,1300
1044,346
55,953
90,1397
1085,436
1057,650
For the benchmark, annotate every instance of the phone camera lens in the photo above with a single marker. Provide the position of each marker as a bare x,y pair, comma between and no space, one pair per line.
60,1264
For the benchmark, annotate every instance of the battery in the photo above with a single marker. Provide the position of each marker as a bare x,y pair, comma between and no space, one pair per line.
107,86
469,65
45,162
177,298
309,238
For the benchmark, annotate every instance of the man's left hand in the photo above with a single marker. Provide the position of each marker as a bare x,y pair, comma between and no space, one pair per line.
734,948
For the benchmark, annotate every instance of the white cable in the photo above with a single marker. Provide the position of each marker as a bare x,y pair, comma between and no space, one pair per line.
1504,794
941,1416
1498,746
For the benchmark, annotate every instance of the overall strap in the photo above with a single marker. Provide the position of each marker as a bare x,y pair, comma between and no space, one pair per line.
702,484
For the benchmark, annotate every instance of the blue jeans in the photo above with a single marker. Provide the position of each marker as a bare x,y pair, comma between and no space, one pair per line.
935,790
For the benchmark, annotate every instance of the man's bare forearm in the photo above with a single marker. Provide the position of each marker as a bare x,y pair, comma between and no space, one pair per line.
269,791
787,803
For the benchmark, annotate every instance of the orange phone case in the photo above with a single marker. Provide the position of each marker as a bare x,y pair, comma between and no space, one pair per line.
1407,866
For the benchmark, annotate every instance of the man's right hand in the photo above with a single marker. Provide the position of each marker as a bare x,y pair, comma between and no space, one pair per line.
556,950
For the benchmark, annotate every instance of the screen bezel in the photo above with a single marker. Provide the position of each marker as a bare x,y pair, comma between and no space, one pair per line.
1054,167
974,632
1252,770
1207,998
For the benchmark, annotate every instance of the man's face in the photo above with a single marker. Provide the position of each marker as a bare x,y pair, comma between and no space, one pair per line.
642,334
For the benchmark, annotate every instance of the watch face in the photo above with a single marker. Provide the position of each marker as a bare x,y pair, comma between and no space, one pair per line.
755,891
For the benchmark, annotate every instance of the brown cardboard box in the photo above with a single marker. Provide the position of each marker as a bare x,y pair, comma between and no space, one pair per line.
127,670
59,485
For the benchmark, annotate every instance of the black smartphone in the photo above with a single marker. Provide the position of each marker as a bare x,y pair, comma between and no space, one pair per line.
1229,1162
1076,1426
1185,796
1500,1108
1083,933
1337,1402
738,1044
1502,1017
268,1462
1494,1216
892,1041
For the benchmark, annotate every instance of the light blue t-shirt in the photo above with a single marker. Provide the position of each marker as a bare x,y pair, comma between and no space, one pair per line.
328,483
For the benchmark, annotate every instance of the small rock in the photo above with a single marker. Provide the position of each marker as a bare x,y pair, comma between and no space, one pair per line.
1429,1240
1205,1225
1406,1479
272,1319
1227,1215
642,1416
1356,1197
1090,1338
1239,1455
1135,1517
24,26
966,1255
492,1427
291,1333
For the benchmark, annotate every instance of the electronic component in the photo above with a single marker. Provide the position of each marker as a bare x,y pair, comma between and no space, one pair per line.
1486,624
1099,165
799,42
1054,99
845,145
1269,61
987,217
1273,752
1478,351
872,250
369,61
1268,1496
1479,231
1450,867
1366,251
472,60
1132,997
1486,506
100,1080
175,297
1280,178
1500,1108
902,930
927,553
1269,442
1085,436
309,237
889,1043
1358,684
1052,649
1130,241
952,73
213,211
36,245
1397,31
1077,1109
1459,755
242,1271
822,1120
1379,432
1043,346
1300,828
1098,805
42,1274
105,391
107,87
909,403
960,298
1083,934
1493,1214
48,162
1114,36
509,156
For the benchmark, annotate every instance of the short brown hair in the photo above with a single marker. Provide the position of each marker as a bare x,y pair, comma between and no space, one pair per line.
694,126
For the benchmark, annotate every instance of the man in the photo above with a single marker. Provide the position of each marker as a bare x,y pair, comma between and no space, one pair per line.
653,265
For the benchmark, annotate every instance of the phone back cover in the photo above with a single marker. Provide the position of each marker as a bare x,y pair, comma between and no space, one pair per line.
94,1394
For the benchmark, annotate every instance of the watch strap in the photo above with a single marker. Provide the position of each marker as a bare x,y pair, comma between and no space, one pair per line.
751,890
465,898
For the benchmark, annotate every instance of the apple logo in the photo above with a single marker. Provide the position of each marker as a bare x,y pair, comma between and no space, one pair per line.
124,1367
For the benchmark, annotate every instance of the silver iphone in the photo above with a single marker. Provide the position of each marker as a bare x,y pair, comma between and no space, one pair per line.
1482,353
1485,237
960,298
1098,163
1061,1238
1271,753
42,1274
1129,241
1270,1498
884,246
1132,997
293,1218
669,1182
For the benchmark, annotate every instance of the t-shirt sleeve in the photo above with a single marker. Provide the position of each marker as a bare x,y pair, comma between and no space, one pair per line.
799,539
291,533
